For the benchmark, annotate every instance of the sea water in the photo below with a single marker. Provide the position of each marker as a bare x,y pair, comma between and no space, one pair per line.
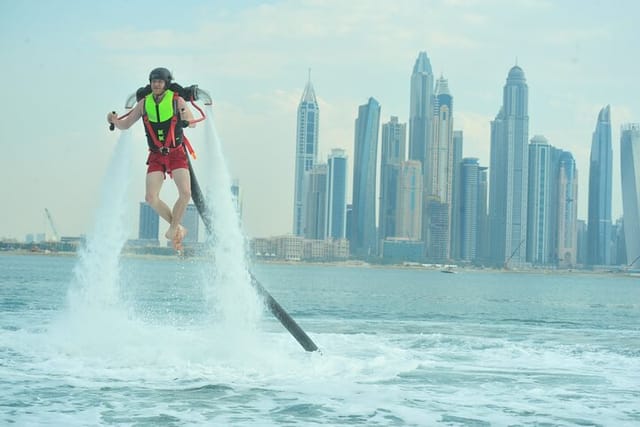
399,347
98,339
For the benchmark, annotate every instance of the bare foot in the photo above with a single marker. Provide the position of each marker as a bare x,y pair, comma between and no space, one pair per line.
179,235
170,234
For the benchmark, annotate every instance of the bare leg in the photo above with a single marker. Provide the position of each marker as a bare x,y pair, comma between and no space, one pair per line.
152,196
183,183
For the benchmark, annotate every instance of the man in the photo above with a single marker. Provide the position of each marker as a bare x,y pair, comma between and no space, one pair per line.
164,115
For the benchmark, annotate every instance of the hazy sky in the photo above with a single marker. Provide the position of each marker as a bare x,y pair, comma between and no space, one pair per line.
66,64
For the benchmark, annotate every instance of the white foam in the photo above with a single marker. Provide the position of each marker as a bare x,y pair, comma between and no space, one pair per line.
230,292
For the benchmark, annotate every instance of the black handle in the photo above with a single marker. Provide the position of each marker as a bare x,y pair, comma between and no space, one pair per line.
112,126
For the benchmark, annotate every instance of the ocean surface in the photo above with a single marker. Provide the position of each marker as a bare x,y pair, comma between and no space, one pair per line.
399,347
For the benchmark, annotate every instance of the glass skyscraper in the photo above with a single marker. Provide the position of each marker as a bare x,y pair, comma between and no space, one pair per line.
456,191
630,171
149,223
363,238
509,173
392,155
315,207
438,175
542,202
600,174
306,151
420,108
336,194
191,220
567,211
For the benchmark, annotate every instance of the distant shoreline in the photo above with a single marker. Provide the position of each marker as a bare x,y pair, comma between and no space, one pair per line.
353,264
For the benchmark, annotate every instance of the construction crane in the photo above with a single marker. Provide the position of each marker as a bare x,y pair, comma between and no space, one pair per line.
56,237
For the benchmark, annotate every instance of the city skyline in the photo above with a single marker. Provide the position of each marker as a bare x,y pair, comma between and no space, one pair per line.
255,72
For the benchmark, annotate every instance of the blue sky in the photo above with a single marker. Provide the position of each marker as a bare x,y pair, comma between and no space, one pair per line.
65,64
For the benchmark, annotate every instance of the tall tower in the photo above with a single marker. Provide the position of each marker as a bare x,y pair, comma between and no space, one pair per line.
509,172
456,194
191,220
149,223
567,211
336,194
420,108
409,204
316,202
392,155
306,151
438,176
470,174
600,174
630,171
542,202
363,239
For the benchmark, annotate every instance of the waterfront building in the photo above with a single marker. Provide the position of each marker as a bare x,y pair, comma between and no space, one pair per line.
336,195
509,173
306,151
630,171
600,175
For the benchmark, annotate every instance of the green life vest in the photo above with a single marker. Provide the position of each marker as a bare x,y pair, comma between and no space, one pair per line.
159,120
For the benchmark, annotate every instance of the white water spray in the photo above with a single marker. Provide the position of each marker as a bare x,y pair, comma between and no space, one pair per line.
231,292
97,274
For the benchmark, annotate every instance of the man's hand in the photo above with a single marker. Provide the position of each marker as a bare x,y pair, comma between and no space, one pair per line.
112,117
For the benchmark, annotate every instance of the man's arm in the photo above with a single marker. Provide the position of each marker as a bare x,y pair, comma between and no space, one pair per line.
126,122
185,112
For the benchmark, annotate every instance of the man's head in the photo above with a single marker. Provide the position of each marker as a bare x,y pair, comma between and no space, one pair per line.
159,78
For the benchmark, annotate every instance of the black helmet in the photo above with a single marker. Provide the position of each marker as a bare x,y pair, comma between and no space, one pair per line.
161,74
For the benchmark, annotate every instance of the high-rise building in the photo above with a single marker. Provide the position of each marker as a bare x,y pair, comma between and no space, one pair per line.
306,151
469,208
582,242
409,204
473,210
392,155
420,108
316,202
509,172
149,223
191,221
456,191
438,176
484,241
600,175
542,202
567,211
630,171
336,195
363,238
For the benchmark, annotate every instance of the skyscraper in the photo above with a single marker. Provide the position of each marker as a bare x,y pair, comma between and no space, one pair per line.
392,155
191,221
149,223
469,208
600,174
542,203
456,190
420,108
363,239
336,194
316,202
509,172
567,211
306,151
630,171
438,176
409,213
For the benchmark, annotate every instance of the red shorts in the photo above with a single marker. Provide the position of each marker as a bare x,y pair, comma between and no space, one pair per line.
176,159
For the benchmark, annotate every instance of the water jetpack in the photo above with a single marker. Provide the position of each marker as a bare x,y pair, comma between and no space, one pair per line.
190,93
